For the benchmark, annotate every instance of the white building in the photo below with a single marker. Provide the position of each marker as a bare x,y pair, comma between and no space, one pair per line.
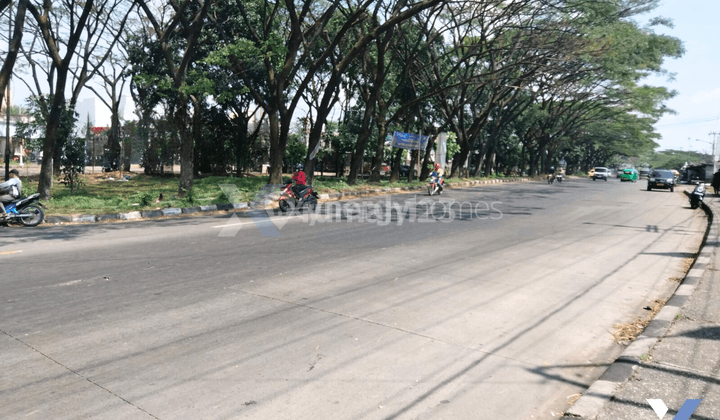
99,115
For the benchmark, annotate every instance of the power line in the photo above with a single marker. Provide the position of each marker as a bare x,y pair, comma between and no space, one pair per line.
704,120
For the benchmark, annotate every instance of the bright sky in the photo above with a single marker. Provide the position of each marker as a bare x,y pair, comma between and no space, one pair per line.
698,101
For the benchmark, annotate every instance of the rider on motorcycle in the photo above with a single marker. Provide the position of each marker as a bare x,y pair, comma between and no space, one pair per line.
299,178
438,172
10,190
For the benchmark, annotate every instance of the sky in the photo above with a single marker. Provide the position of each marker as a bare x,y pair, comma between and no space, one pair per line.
696,76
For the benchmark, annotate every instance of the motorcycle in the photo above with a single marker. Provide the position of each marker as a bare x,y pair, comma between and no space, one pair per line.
434,186
696,197
551,178
559,177
24,211
289,199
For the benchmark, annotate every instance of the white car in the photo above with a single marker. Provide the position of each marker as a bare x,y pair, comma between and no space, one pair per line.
601,172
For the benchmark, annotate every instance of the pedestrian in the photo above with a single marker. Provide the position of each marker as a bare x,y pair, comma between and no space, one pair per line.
716,182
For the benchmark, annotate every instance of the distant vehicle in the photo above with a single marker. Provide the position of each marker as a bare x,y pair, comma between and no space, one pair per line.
629,175
622,167
601,172
404,170
644,172
661,178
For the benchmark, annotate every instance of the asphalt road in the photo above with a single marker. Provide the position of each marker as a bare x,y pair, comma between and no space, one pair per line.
500,305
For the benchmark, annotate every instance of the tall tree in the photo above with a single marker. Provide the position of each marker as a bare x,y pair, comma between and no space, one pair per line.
187,18
9,63
61,65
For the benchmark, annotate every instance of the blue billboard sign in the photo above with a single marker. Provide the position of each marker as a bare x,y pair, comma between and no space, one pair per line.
409,141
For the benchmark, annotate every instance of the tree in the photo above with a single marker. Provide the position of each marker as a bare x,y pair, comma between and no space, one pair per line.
60,65
187,19
9,63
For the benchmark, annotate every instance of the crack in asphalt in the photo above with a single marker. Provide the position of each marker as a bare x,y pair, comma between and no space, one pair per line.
78,374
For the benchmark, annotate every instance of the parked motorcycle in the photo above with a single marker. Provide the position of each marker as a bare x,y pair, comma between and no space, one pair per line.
24,211
696,197
288,197
434,186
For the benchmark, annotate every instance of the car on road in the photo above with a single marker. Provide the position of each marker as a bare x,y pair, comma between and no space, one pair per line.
629,175
661,178
600,172
621,168
644,172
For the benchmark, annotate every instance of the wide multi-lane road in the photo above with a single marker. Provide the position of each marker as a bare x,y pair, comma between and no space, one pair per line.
497,302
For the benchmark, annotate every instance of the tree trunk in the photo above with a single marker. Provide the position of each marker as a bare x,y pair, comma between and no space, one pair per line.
459,161
52,139
395,175
379,157
7,69
241,146
490,161
534,157
425,169
186,147
361,144
277,148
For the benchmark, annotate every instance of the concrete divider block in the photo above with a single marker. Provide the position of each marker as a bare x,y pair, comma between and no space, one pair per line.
172,211
211,207
58,219
190,210
150,214
84,218
110,216
131,215
225,206
324,196
238,206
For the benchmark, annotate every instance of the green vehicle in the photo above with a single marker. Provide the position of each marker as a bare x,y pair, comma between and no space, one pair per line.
629,175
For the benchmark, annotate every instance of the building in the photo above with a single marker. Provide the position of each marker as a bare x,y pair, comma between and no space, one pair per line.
93,111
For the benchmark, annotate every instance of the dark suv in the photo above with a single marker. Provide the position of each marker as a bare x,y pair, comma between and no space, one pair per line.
661,178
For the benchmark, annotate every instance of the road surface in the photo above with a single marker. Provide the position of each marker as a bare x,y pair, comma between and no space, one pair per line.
499,305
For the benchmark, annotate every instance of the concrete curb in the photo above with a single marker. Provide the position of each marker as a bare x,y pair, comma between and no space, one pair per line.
591,403
176,211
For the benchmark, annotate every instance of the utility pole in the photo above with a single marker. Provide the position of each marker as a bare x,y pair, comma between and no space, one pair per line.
713,134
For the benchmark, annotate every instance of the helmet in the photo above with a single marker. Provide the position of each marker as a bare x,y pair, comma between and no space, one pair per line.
299,167
437,165
552,168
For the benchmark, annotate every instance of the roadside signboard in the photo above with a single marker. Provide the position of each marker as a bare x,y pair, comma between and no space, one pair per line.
409,141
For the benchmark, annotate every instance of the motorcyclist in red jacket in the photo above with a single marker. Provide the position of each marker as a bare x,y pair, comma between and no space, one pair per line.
299,178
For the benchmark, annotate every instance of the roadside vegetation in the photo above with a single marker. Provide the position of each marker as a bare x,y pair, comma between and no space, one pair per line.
111,193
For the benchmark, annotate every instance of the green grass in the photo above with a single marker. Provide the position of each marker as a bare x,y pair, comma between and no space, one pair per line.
99,195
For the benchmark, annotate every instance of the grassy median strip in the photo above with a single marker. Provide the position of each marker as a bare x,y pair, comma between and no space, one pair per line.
113,193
